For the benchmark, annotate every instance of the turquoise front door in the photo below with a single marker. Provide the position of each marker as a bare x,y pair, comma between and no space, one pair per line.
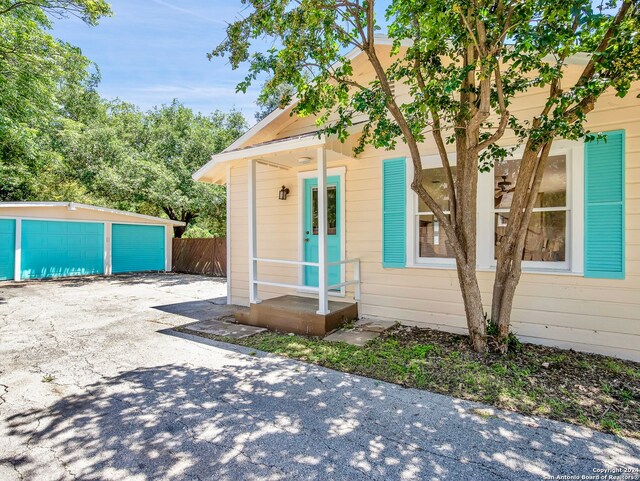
334,233
57,249
7,248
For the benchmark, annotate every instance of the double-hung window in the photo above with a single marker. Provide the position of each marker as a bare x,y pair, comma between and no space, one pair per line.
433,244
547,233
554,232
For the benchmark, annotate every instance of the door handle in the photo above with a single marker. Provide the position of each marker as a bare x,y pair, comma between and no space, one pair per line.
306,239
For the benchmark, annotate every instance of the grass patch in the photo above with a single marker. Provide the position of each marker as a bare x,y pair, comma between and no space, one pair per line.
586,389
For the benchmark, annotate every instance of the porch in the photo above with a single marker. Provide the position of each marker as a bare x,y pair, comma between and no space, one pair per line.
297,314
291,290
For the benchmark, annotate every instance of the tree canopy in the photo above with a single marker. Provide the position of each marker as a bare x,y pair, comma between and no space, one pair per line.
59,140
34,69
463,62
144,161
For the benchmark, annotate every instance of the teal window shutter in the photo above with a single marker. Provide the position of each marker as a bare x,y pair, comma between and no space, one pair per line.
394,213
604,228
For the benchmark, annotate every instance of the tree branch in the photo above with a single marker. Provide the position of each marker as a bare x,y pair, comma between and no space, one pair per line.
504,114
589,69
444,157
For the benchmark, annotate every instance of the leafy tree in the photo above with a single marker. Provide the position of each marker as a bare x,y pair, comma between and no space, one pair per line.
144,162
463,62
89,11
177,143
274,98
34,69
59,140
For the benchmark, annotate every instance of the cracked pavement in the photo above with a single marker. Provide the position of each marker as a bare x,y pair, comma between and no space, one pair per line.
94,384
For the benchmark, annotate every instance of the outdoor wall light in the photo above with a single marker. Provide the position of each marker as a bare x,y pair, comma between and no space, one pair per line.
284,192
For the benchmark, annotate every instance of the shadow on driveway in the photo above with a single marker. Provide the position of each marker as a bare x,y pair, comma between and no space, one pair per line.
266,418
201,310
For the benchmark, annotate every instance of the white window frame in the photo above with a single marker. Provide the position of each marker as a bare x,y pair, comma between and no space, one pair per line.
574,254
413,212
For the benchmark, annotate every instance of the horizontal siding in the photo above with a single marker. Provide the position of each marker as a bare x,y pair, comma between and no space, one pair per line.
597,315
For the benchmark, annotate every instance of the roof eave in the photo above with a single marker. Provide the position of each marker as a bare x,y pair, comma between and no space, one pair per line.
254,152
75,205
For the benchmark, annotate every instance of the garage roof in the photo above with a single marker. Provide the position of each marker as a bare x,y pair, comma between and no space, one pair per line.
74,206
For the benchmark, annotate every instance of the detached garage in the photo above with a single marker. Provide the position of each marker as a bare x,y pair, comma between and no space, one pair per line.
57,239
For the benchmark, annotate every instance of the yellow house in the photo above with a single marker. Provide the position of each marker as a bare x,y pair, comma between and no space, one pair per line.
395,262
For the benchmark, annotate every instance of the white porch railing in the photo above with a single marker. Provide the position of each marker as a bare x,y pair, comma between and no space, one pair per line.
322,264
301,287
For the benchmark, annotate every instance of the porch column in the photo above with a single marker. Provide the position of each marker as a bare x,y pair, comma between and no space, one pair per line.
251,220
323,274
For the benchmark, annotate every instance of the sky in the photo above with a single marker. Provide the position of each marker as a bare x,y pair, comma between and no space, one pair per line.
152,51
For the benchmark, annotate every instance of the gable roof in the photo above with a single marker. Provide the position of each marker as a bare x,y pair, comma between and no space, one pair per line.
74,206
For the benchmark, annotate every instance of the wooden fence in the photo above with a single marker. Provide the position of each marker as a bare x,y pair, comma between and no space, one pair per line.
200,256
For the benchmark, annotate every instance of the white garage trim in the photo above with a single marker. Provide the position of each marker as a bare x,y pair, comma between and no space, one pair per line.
74,206
17,264
168,247
108,261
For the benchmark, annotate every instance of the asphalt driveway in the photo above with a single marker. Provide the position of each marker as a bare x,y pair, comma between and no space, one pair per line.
95,385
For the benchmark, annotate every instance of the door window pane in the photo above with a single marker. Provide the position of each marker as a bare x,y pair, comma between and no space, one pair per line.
432,240
553,188
332,210
546,235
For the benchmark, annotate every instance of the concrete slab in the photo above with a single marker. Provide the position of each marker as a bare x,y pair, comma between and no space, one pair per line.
224,329
353,337
373,325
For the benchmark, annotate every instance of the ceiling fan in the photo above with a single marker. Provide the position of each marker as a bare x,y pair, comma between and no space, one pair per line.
503,187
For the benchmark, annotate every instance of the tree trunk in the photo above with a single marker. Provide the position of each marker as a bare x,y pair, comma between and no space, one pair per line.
179,230
510,251
186,217
460,228
473,306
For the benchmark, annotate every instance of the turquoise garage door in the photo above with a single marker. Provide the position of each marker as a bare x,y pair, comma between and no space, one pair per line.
58,248
7,248
137,248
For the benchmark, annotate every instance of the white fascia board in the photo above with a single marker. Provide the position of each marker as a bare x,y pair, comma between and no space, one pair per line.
74,205
255,152
249,134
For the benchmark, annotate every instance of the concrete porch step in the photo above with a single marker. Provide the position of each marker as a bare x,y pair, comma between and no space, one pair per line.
297,314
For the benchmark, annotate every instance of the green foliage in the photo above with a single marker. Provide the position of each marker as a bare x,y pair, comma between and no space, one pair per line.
532,39
271,99
59,140
89,11
512,341
194,231
35,69
144,161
